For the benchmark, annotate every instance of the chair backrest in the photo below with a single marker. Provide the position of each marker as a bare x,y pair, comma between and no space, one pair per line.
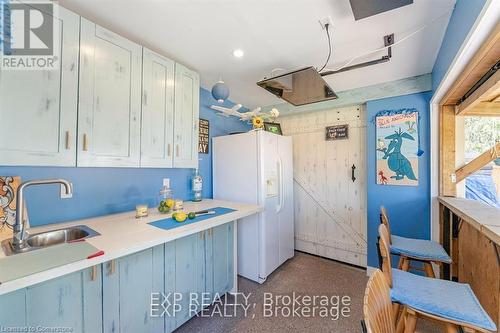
385,253
377,306
384,219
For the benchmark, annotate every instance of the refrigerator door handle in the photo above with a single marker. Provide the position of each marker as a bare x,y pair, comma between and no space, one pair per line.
280,186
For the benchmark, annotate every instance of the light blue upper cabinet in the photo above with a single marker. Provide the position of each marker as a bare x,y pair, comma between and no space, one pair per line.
109,114
187,109
157,134
127,286
38,108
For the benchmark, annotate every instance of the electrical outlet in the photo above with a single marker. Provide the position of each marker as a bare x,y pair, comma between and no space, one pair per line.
326,20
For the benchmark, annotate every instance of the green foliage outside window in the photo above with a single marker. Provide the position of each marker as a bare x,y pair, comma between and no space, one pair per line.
481,133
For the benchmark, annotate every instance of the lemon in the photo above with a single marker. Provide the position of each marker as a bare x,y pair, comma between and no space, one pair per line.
170,203
180,216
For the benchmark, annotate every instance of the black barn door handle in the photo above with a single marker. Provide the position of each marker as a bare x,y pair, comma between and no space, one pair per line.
352,173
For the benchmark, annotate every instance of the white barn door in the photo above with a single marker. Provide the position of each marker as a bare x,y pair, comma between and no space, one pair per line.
330,208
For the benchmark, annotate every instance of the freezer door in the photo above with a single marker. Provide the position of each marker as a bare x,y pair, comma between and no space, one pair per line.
285,197
235,168
269,231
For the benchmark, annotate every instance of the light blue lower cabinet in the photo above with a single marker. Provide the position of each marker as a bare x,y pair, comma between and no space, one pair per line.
197,268
222,239
72,301
184,278
116,296
128,284
13,309
219,260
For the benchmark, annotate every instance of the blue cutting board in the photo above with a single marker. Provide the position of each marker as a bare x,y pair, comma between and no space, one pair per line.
170,223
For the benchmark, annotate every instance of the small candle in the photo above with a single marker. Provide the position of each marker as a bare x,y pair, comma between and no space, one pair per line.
141,211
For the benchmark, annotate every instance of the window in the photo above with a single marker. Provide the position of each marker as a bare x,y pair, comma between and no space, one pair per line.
481,134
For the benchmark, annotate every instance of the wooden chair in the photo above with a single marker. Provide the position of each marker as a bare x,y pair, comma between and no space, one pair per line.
440,300
377,306
411,249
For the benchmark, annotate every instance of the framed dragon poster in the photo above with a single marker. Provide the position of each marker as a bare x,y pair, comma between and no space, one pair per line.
397,148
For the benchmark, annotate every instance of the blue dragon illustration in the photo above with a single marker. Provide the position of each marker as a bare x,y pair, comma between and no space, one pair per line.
396,161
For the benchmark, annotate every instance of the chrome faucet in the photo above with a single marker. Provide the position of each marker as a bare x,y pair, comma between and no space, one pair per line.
19,227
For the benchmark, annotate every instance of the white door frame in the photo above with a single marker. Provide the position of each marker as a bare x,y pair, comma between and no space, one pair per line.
484,24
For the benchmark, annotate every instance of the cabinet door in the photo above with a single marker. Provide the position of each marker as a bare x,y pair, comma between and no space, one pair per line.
109,118
220,259
189,275
127,287
158,74
38,108
187,109
170,316
72,301
13,309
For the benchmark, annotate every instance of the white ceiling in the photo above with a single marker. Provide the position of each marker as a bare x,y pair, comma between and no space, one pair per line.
274,34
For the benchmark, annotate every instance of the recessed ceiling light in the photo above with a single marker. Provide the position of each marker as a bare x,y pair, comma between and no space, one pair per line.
238,53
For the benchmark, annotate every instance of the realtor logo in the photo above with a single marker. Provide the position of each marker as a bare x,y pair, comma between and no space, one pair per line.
27,34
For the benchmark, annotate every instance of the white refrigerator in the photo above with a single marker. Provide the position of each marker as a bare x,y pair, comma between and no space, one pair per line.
257,168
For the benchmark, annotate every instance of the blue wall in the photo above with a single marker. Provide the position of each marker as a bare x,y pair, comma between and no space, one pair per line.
101,191
463,17
408,206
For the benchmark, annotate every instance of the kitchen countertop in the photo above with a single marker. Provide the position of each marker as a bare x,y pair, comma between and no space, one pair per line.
484,218
122,234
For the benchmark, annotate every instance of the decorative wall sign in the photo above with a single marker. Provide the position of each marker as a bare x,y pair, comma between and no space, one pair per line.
8,191
397,148
203,141
273,128
337,132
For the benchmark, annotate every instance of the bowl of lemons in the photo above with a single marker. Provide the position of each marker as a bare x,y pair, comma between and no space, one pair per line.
165,206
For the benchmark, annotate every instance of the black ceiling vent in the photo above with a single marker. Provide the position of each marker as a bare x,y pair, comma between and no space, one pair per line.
365,8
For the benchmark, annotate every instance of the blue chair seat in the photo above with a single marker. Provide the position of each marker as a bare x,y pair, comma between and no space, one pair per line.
441,298
419,249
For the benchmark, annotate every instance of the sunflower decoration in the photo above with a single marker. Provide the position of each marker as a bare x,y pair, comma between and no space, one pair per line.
257,122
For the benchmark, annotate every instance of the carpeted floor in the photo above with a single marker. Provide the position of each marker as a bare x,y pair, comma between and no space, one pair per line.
304,275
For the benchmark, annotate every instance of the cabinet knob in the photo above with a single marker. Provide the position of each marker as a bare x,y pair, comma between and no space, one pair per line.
177,150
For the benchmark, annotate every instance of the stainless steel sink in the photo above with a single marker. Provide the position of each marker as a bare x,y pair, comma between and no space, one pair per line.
50,238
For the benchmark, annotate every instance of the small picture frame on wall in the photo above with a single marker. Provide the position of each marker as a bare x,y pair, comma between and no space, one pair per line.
273,128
